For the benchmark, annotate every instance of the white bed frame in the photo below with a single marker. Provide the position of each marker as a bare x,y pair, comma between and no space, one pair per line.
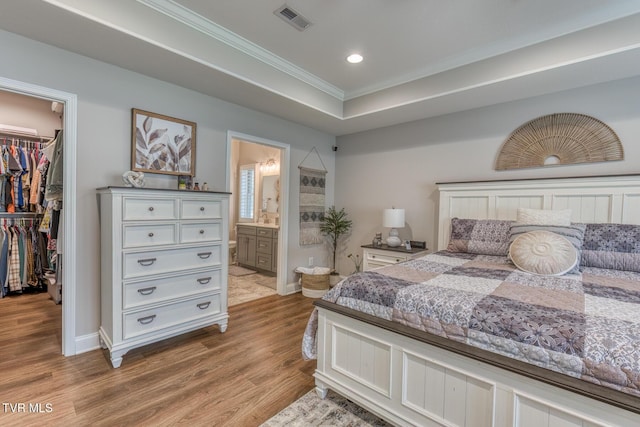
408,381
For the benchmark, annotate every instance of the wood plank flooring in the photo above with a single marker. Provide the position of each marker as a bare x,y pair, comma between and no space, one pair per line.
204,378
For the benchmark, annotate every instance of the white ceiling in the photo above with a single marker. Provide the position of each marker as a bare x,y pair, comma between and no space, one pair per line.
422,57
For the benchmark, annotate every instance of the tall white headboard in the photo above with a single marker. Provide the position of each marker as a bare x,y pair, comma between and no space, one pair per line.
613,199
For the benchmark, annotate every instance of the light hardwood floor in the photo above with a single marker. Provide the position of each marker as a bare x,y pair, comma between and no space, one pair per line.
204,378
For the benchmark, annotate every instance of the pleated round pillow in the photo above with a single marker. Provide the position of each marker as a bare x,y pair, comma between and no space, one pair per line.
543,253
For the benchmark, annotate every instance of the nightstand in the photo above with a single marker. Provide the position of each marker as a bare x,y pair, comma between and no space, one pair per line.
379,256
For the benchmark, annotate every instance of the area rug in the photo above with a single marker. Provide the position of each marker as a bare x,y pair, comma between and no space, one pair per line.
236,270
335,410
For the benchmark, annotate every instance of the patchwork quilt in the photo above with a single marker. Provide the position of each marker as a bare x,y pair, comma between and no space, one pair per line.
585,325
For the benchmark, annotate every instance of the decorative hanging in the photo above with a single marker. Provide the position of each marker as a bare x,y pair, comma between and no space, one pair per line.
312,198
559,139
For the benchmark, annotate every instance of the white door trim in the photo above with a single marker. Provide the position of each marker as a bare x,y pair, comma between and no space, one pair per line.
283,232
69,201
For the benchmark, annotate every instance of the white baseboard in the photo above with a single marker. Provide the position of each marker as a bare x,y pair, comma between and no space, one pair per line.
292,288
87,343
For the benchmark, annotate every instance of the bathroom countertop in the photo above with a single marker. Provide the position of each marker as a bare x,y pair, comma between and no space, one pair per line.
257,224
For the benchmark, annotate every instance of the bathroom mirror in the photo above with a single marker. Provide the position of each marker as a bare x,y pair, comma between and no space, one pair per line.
270,193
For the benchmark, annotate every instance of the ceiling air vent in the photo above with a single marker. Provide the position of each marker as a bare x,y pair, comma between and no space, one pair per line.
292,17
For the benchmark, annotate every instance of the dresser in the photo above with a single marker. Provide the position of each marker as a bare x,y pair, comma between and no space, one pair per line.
380,256
257,246
164,258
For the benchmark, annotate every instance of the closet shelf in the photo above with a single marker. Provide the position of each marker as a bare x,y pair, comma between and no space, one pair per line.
25,137
20,215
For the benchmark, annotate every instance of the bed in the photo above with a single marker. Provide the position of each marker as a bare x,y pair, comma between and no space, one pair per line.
418,343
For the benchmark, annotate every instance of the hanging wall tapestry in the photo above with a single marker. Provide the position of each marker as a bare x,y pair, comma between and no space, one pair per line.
559,139
312,183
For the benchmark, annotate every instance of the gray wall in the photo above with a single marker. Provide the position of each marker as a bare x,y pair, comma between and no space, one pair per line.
399,165
106,95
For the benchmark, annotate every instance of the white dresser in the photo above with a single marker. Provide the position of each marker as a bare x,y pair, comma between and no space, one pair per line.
164,258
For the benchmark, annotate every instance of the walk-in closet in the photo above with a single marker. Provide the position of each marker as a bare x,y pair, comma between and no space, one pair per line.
31,182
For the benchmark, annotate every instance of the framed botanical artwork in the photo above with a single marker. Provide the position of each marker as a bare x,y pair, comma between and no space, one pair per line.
162,144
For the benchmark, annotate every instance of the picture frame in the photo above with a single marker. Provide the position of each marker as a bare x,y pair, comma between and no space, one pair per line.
162,144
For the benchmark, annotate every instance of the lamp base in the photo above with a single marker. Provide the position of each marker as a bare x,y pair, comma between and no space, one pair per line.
393,240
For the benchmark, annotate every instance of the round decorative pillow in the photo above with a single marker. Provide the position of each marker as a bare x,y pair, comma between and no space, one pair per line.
544,253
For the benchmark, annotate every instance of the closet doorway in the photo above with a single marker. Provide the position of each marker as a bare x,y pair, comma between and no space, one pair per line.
24,97
258,179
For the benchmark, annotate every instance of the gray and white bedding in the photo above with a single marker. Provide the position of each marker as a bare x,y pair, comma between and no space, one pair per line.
586,325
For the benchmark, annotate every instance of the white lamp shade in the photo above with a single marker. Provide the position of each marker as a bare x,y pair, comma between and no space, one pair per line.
393,218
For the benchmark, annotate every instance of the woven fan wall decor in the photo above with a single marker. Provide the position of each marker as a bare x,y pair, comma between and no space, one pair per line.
559,139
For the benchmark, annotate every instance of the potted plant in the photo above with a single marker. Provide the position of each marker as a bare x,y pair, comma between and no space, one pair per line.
335,224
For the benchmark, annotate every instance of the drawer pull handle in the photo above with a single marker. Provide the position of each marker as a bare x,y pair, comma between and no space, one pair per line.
373,256
202,208
204,280
150,234
150,208
146,262
204,255
397,259
201,231
204,305
147,320
147,291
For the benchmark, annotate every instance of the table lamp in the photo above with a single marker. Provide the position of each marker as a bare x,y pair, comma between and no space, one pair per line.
393,218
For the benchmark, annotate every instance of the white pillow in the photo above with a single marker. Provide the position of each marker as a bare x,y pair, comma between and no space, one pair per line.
543,216
544,253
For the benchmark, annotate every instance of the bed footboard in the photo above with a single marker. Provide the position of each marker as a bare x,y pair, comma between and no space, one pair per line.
409,382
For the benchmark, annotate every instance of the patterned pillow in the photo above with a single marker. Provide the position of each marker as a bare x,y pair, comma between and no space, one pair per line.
479,236
544,253
574,233
613,246
543,216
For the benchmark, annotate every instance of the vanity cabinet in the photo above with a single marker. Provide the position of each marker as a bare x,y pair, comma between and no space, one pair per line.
246,245
257,247
274,252
164,258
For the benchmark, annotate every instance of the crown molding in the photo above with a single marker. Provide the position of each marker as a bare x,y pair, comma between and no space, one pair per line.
199,23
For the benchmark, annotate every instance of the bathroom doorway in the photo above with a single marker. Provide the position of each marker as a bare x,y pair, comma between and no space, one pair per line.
258,180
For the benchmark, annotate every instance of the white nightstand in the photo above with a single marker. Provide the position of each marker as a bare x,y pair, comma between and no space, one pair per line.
379,256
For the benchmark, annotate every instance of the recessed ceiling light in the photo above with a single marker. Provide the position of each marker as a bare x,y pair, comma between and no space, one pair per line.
354,58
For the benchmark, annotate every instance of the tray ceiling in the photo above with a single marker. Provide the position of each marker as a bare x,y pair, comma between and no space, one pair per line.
422,58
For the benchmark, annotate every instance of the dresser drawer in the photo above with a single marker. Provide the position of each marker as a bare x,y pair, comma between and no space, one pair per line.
264,245
148,208
385,258
139,264
148,235
137,294
200,232
146,321
201,209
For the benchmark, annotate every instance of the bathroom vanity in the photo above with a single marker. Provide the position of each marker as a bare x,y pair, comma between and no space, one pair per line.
257,246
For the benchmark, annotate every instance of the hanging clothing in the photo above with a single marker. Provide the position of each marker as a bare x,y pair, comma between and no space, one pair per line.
4,270
14,263
54,153
26,174
23,257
